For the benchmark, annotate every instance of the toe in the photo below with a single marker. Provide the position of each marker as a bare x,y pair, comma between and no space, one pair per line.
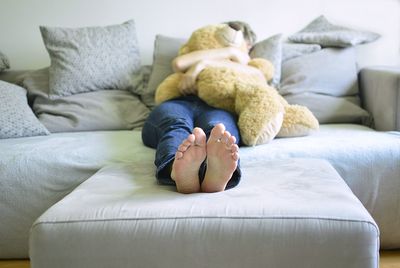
178,155
200,136
234,148
235,156
217,132
231,140
225,137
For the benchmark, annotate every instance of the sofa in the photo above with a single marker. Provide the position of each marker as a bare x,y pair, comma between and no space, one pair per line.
359,136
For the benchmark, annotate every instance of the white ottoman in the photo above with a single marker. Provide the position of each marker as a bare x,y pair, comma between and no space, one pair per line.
288,213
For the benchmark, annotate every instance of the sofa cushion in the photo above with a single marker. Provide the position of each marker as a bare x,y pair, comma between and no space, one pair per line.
270,49
326,82
321,31
91,58
90,111
16,117
286,207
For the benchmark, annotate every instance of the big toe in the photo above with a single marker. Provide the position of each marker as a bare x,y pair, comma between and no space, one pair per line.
217,132
200,136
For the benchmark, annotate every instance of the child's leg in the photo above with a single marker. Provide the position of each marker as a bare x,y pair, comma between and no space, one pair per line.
167,129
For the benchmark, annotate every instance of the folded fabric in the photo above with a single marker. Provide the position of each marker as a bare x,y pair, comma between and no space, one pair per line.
321,31
91,58
294,50
4,63
90,111
325,82
16,117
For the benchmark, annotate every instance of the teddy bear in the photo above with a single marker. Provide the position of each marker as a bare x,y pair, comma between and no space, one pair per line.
262,113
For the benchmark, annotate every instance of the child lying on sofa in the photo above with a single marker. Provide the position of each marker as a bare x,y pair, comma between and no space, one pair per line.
196,144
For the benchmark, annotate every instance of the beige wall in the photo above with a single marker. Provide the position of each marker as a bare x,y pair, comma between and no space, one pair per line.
21,40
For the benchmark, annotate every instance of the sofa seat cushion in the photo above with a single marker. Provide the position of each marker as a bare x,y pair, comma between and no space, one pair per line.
292,207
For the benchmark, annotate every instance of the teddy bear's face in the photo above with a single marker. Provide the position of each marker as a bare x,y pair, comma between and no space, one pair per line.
214,36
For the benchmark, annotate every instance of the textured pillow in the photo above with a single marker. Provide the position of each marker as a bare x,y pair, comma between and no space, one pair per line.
165,50
294,50
270,49
16,117
99,110
91,58
321,31
4,63
325,82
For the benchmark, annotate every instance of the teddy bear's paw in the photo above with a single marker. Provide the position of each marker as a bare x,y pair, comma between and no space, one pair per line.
168,89
298,121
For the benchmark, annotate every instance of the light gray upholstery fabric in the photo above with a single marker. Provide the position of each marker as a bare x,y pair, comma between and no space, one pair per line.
4,62
321,31
293,50
292,207
327,78
270,49
91,58
165,50
381,96
99,110
367,160
16,117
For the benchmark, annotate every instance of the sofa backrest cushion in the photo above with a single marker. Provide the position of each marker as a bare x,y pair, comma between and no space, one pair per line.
90,111
326,82
91,58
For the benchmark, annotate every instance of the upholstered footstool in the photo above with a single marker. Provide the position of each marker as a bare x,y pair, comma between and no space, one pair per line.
287,213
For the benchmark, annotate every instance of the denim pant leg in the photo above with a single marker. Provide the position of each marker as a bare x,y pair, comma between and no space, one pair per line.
207,119
165,129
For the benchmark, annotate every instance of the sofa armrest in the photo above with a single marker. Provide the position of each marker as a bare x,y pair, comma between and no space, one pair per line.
380,94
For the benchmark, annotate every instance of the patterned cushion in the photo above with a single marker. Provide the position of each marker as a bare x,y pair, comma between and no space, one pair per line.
321,31
270,49
4,63
91,58
16,117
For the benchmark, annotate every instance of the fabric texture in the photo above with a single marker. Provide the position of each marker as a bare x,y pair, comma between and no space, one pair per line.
294,50
91,58
98,110
321,31
4,62
270,49
165,50
326,82
16,117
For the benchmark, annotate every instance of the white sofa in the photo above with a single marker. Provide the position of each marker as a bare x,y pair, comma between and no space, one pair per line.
38,174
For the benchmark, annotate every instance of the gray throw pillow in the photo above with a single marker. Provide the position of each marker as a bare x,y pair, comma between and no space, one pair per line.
90,111
91,58
321,31
294,50
16,117
326,82
270,49
4,63
165,50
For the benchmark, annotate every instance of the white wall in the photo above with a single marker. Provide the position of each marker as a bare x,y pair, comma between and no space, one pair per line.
21,40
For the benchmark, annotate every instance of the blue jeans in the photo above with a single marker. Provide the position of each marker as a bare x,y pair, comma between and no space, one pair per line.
172,121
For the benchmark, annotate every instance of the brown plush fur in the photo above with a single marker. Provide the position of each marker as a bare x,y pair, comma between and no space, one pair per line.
262,112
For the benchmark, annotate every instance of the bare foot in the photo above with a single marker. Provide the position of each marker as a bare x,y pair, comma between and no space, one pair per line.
185,169
222,157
